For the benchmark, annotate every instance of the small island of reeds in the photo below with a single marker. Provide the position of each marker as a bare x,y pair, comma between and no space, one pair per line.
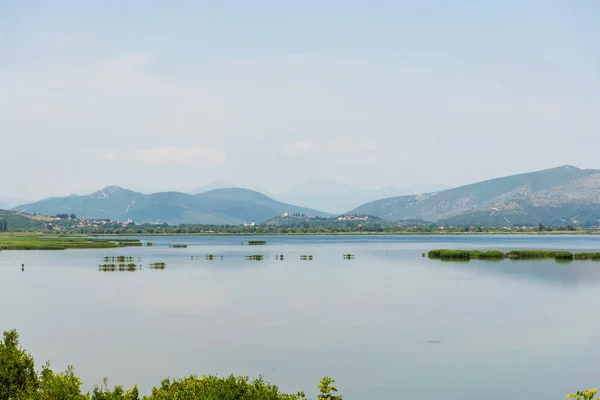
256,242
158,265
561,255
120,267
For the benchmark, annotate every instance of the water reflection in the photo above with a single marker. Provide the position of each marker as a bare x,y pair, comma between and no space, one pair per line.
388,324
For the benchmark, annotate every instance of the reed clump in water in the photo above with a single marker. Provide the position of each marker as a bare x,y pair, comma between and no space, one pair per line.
349,256
129,243
488,255
120,259
445,254
539,254
158,265
559,255
587,256
256,242
118,267
178,246
255,257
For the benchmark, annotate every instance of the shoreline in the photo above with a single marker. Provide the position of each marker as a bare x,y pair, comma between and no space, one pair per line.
553,233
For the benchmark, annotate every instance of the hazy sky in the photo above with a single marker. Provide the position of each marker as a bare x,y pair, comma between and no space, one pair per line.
157,95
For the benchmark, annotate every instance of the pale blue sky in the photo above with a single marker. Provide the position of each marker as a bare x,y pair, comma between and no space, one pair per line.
156,95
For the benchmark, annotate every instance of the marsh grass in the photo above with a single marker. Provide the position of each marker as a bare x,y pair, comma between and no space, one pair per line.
559,255
39,242
587,256
256,242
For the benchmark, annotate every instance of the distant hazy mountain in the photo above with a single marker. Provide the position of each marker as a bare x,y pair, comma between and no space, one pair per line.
338,198
219,206
225,185
212,186
563,195
6,203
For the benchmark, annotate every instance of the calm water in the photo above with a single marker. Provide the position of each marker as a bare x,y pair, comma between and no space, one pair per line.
387,325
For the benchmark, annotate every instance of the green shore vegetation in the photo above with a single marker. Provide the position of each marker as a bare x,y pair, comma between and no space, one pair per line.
561,255
41,242
230,230
19,380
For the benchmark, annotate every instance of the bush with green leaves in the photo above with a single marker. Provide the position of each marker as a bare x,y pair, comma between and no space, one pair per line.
20,381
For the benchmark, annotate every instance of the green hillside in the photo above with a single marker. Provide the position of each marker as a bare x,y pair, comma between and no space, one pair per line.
220,206
16,221
550,196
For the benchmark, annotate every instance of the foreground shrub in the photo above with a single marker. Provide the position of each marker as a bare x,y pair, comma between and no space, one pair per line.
583,395
20,381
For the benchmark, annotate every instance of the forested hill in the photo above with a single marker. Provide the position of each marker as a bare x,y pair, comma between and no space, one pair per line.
220,206
557,196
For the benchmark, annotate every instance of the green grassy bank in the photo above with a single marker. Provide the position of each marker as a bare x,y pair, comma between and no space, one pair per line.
40,242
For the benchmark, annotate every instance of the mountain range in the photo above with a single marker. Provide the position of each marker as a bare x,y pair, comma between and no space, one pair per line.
557,196
219,206
224,185
338,198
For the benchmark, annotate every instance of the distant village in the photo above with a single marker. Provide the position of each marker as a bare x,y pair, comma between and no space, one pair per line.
340,218
70,221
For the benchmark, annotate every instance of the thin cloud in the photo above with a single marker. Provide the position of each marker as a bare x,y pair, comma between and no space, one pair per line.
190,155
111,156
300,147
353,147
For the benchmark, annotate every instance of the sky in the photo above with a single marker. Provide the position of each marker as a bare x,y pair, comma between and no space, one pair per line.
155,95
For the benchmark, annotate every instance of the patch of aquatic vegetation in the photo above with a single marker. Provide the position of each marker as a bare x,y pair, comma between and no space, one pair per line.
178,246
129,242
118,267
587,256
539,254
558,255
306,257
255,257
256,242
349,256
39,242
158,265
120,259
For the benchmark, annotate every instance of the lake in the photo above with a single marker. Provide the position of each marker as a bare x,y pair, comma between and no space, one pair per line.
387,324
